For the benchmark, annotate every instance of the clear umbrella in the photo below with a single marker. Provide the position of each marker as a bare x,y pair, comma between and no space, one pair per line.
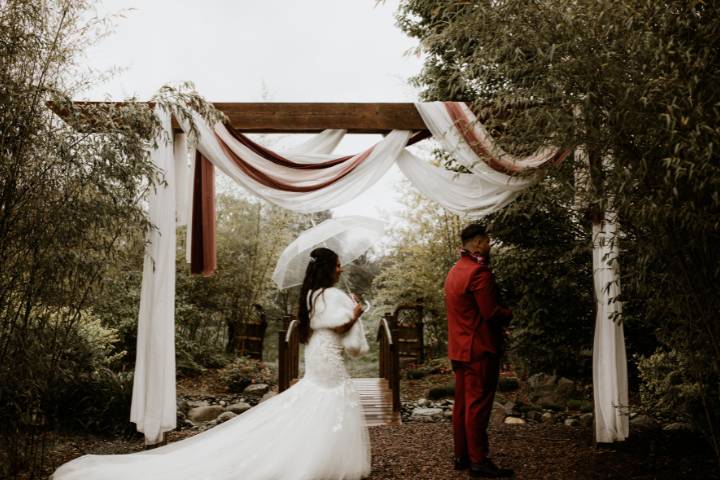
349,237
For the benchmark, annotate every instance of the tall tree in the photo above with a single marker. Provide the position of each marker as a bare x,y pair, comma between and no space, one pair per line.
636,83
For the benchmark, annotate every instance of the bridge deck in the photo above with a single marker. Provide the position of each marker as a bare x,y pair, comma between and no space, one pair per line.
376,400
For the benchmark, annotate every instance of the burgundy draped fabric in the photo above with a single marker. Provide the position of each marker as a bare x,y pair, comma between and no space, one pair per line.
465,127
203,258
351,161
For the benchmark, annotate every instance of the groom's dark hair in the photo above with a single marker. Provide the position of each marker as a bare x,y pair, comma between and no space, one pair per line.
472,231
319,275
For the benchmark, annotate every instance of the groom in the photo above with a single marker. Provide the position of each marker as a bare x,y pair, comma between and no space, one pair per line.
475,345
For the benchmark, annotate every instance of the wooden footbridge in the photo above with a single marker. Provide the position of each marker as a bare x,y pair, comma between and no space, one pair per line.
380,396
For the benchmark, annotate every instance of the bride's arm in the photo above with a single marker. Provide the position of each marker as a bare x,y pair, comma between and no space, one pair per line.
357,311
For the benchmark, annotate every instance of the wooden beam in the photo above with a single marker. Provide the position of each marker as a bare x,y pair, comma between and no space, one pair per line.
270,117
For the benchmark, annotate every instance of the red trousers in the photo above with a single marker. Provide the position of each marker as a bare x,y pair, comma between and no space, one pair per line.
475,385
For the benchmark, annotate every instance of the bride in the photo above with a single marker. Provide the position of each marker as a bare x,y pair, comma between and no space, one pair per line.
315,430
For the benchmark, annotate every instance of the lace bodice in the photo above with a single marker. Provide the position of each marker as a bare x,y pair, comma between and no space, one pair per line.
324,364
324,359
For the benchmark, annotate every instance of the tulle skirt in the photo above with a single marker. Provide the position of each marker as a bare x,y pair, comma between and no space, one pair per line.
309,432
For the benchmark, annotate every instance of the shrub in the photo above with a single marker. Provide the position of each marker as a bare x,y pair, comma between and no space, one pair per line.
244,371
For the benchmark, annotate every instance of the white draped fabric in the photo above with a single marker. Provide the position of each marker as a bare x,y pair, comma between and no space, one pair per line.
610,382
485,190
153,399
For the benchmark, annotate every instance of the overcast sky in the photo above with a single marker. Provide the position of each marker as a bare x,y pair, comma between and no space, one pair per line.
265,50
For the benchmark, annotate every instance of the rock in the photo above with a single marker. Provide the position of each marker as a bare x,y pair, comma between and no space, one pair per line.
196,403
565,389
256,389
548,418
187,424
508,384
587,419
498,414
205,414
678,427
183,406
225,416
423,402
540,379
238,408
223,403
267,396
644,422
447,413
571,422
422,414
510,408
514,421
533,415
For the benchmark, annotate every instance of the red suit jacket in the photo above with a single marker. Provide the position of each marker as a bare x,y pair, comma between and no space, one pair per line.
475,319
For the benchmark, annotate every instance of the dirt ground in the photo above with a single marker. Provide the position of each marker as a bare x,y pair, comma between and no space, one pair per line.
424,451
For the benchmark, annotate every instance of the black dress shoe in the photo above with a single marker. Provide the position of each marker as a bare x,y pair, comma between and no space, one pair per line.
487,469
462,464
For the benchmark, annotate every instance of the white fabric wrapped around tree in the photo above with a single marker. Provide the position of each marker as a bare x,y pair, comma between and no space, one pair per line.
610,383
153,407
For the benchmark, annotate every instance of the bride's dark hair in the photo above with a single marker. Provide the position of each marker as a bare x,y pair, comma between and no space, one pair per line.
320,274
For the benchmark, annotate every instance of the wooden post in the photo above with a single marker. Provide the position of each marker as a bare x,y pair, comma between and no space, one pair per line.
395,376
420,334
282,361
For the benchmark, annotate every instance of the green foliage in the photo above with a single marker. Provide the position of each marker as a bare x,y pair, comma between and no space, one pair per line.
668,392
71,199
414,269
637,84
245,371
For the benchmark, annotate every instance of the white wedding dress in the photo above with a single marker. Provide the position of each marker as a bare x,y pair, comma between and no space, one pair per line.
315,430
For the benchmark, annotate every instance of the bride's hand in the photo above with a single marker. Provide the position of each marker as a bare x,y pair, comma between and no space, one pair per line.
357,311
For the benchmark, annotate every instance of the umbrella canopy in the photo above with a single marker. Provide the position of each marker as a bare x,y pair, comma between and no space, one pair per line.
349,237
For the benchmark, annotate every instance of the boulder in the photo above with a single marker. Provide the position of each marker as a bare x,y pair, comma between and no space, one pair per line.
267,396
238,408
564,389
514,421
196,403
510,408
678,427
205,414
422,414
256,390
571,422
548,418
644,422
587,419
533,416
183,406
498,414
225,416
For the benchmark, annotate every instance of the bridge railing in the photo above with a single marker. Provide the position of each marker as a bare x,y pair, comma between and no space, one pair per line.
288,353
387,336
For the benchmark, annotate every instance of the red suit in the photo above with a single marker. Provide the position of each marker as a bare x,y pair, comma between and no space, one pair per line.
475,344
